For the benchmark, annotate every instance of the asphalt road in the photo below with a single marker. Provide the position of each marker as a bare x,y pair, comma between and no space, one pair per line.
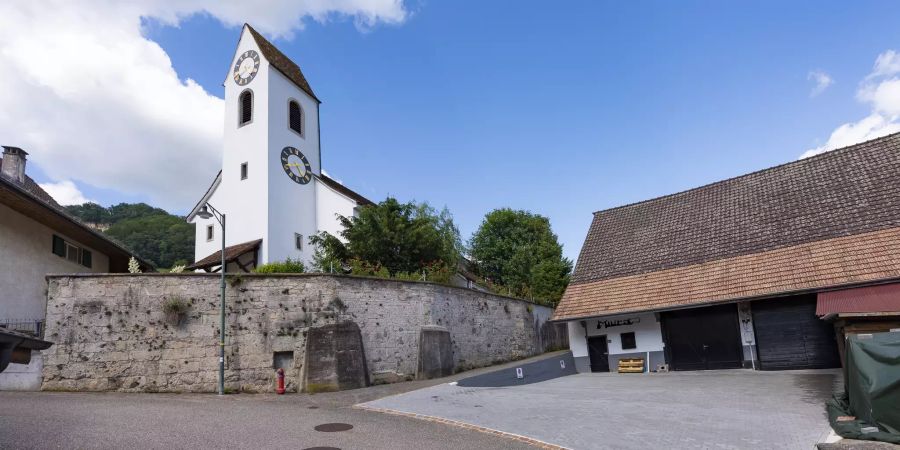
43,420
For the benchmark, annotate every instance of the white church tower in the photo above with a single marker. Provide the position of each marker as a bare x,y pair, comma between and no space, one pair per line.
271,187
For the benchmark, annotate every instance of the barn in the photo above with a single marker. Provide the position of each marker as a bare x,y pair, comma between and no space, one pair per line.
734,274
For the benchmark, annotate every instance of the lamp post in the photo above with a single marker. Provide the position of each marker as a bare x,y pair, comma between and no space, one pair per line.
206,212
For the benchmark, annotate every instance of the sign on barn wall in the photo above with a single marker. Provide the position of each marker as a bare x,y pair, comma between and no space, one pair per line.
601,324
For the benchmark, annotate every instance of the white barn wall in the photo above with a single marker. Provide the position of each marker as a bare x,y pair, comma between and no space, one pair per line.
647,332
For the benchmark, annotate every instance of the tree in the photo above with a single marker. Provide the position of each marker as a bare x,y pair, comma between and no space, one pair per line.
391,236
165,240
518,250
155,235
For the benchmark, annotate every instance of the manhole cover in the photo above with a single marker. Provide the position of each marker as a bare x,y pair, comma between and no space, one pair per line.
332,427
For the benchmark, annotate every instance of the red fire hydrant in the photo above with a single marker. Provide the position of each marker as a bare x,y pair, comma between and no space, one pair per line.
280,388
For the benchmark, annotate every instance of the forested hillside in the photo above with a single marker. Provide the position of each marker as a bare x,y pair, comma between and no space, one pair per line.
152,233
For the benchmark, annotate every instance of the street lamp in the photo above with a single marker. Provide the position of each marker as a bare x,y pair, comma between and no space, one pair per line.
220,217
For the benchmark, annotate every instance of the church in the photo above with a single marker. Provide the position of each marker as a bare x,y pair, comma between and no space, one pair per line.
271,192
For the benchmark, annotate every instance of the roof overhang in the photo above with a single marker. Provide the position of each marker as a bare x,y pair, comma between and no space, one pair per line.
867,301
16,347
203,200
232,254
25,203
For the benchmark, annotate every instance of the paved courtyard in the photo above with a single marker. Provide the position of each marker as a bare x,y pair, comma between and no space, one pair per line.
736,409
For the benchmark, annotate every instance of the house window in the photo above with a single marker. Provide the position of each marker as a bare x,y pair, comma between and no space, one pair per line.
298,241
244,171
245,107
628,341
295,117
72,252
209,233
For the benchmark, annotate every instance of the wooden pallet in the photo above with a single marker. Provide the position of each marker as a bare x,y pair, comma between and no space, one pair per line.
631,365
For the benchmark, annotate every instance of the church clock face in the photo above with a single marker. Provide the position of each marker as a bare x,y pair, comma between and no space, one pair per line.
246,67
296,166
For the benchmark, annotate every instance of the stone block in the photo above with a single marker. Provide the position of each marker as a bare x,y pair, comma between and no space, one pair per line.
335,359
435,353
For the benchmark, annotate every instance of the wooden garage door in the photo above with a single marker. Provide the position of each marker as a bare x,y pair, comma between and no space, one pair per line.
702,338
789,335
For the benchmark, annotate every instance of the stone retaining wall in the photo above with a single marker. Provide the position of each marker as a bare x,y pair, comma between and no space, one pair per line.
112,333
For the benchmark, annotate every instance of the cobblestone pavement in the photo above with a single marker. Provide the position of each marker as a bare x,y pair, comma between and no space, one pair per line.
735,409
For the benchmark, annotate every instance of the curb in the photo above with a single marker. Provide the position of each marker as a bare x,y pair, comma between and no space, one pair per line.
467,426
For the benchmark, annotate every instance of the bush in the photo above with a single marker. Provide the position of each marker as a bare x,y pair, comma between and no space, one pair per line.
175,310
287,266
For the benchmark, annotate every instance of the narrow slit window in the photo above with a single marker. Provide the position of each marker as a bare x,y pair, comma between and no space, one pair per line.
295,116
246,107
209,232
244,171
298,241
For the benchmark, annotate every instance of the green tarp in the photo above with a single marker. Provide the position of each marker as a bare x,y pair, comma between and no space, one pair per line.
873,389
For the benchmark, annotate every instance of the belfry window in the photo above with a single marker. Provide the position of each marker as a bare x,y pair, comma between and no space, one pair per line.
295,118
245,107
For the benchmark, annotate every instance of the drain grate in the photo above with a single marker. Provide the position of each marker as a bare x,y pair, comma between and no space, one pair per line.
321,448
312,407
333,427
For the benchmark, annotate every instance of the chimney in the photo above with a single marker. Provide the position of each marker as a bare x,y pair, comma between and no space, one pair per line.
13,166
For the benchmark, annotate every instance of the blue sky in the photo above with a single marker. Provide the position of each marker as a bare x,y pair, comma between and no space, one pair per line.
560,109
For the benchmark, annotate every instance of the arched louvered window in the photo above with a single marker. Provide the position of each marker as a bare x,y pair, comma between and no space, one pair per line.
295,116
245,106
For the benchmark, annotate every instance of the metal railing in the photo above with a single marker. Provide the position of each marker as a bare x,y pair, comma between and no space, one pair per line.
34,327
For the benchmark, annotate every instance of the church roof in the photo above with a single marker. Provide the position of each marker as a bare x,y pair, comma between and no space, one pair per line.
232,253
362,201
281,62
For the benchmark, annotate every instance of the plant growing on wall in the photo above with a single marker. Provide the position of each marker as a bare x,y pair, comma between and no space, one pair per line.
175,310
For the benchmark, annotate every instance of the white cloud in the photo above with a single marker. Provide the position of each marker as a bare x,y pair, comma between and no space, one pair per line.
881,91
91,99
821,79
65,192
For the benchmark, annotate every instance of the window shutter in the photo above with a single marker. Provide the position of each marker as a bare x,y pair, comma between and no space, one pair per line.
86,259
246,107
296,117
59,246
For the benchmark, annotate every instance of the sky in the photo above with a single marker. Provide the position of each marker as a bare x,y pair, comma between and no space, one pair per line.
559,108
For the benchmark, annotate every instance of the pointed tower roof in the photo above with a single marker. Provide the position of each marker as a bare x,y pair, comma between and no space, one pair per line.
281,62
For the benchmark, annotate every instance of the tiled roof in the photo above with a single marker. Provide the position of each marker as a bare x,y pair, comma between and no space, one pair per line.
839,193
833,262
231,253
828,220
36,190
281,62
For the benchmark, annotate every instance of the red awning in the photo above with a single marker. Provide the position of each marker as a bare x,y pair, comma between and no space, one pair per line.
869,299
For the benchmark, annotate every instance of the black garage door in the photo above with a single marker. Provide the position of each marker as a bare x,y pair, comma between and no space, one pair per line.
789,335
703,338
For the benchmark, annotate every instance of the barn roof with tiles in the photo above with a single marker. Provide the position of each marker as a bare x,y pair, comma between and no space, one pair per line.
740,237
